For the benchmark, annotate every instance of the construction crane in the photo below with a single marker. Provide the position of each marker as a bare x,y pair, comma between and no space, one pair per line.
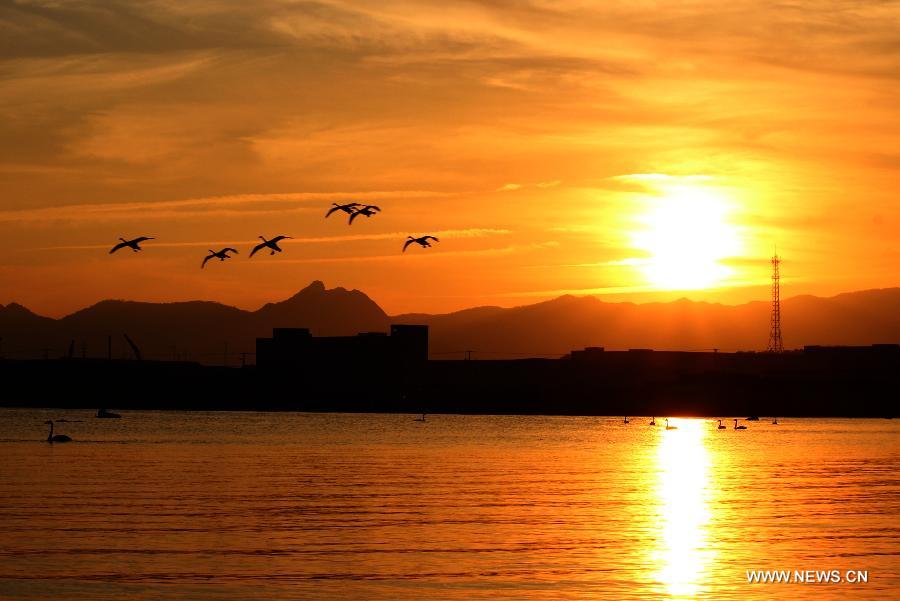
134,347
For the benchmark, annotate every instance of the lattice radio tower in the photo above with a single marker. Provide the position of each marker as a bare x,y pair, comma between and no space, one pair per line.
775,343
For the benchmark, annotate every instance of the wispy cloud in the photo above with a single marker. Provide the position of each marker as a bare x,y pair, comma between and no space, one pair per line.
399,256
549,184
205,205
188,118
399,236
542,185
581,291
628,262
433,254
641,288
661,177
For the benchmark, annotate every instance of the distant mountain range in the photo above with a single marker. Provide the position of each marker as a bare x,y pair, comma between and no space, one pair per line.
208,331
197,330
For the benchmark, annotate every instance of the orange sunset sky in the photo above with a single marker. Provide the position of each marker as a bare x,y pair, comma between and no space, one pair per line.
637,151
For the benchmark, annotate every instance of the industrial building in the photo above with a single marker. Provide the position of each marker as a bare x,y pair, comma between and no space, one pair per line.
406,346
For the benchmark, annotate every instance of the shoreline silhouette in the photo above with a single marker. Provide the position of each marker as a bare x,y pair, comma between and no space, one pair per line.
395,377
217,334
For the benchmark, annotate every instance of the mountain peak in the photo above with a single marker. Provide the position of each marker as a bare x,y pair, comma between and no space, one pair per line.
335,311
17,309
317,290
14,316
315,286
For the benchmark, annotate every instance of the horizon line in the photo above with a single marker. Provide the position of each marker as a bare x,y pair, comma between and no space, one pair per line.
549,298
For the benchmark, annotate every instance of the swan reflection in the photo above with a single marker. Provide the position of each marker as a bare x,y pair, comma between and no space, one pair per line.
682,494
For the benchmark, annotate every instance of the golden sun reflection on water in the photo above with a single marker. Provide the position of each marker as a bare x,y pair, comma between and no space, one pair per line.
683,462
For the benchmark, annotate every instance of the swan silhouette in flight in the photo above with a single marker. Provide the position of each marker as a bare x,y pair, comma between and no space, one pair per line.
737,427
348,208
134,245
367,210
423,241
721,427
668,427
220,255
57,438
272,245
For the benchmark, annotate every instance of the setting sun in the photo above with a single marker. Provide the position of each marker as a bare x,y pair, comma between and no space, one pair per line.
686,233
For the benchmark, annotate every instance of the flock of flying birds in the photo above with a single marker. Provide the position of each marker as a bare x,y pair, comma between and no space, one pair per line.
353,209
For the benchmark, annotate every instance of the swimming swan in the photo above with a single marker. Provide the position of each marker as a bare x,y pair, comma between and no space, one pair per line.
59,437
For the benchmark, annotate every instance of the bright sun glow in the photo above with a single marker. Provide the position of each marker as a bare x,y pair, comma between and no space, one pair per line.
687,233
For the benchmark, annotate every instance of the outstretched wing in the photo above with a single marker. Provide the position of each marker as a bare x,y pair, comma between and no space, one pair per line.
408,242
353,216
118,246
142,239
257,248
347,208
279,238
230,250
205,259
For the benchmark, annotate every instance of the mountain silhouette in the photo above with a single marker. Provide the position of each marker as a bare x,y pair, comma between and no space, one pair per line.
205,331
336,312
18,325
560,325
197,330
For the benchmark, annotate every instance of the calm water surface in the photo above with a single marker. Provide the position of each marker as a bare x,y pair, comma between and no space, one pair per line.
270,506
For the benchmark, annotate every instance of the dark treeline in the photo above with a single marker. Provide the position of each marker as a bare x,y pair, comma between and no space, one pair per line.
848,383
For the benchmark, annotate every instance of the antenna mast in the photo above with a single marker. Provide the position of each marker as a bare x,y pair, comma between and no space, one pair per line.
776,345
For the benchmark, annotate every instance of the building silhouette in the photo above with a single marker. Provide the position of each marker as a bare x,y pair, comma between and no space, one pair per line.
391,372
405,347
